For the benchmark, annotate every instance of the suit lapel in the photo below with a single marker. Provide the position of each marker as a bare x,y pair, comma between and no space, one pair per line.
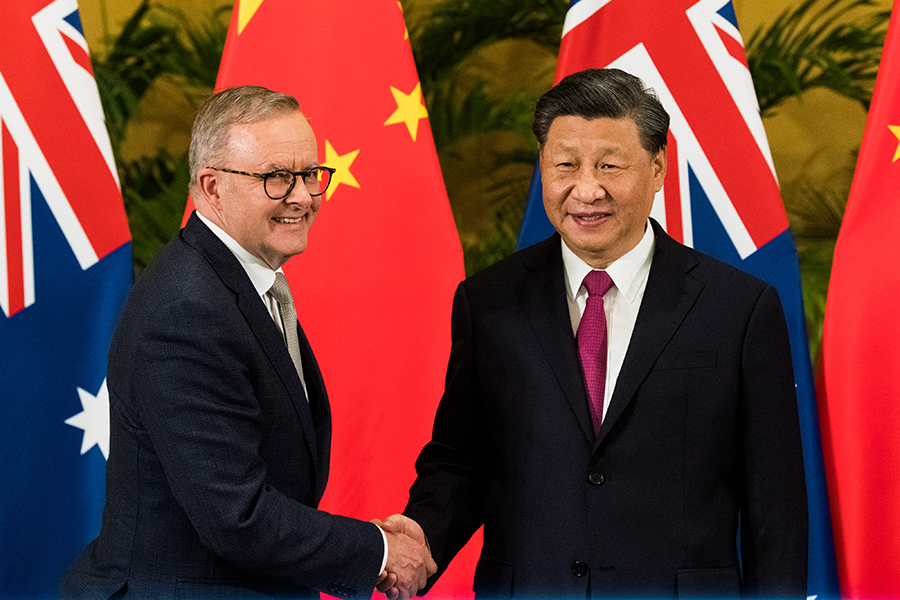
320,410
542,293
270,339
668,297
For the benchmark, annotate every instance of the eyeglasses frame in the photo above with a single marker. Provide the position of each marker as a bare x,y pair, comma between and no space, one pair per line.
265,177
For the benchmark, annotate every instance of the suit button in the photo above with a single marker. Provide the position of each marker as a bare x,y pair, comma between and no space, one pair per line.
579,568
596,478
336,589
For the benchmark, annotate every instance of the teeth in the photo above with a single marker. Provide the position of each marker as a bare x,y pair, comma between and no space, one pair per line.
288,220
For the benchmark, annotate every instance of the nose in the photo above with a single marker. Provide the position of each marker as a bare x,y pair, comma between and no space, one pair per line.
587,187
299,196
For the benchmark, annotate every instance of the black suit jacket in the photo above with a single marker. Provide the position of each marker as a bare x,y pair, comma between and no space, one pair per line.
702,427
217,461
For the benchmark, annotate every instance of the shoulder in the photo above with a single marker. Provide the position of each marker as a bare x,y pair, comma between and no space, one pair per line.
535,260
671,256
193,263
177,271
179,286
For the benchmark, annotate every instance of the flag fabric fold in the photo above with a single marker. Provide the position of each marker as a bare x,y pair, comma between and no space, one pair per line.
374,288
721,194
65,269
860,380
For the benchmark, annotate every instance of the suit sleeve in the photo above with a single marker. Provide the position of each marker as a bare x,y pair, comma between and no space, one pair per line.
447,498
196,394
774,519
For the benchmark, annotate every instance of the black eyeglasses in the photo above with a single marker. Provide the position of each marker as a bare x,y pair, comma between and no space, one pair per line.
279,184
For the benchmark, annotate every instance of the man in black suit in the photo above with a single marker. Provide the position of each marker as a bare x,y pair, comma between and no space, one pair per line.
622,471
220,426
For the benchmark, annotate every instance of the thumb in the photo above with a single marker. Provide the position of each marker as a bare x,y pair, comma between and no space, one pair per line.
395,524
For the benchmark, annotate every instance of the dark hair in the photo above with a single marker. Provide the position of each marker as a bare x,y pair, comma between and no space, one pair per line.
211,133
610,93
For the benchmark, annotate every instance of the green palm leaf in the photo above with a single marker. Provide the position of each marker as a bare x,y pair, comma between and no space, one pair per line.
813,46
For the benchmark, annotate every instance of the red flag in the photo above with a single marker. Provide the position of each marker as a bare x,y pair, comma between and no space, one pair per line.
860,410
374,289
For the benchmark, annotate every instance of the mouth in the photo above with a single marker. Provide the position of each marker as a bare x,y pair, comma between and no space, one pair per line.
589,219
289,220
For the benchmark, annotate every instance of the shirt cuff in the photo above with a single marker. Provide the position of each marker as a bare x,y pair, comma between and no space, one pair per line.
383,560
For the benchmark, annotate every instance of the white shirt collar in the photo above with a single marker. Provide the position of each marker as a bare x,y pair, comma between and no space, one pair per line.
627,272
261,275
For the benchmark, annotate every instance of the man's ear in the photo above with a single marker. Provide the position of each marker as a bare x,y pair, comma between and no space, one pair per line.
208,190
659,164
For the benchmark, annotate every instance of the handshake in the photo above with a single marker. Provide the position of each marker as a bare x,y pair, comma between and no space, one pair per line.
409,562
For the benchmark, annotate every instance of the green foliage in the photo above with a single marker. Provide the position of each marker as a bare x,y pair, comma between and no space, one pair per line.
454,116
156,45
815,212
816,46
455,30
464,112
129,66
812,46
196,59
155,193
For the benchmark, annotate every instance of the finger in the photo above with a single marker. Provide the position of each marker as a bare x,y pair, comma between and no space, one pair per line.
389,581
393,523
421,580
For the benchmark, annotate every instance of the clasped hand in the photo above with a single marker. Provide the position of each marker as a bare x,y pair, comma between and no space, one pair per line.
409,562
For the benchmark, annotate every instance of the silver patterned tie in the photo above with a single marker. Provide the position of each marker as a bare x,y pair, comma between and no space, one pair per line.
281,291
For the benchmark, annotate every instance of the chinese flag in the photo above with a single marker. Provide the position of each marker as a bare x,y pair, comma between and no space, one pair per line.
374,288
860,410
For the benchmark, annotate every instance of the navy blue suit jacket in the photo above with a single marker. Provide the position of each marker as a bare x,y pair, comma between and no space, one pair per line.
702,427
217,460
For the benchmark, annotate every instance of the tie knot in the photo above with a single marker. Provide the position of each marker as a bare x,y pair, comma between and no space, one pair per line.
597,283
280,290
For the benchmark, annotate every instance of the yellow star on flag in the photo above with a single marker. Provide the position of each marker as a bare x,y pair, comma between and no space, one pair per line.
895,129
246,10
342,164
409,109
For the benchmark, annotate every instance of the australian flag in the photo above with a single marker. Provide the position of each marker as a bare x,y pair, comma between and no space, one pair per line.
65,269
721,194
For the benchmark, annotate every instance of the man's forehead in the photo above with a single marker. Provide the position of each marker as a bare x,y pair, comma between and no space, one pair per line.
286,132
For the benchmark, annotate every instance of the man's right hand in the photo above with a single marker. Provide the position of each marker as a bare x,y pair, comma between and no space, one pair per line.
409,562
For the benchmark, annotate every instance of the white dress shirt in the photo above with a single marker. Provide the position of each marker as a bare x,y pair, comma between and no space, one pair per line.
262,277
621,303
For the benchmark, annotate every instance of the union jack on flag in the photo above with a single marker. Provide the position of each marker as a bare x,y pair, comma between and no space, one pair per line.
721,193
65,268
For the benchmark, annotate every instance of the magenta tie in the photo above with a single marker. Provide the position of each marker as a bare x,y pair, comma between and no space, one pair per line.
592,342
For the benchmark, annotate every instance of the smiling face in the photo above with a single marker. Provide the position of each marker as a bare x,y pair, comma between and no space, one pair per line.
599,184
271,230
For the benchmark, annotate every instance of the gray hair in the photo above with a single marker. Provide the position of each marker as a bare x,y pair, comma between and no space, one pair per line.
609,93
210,135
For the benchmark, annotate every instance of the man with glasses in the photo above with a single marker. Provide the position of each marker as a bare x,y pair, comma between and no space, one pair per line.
219,421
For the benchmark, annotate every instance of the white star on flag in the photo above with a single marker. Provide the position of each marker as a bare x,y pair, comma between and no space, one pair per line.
94,420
